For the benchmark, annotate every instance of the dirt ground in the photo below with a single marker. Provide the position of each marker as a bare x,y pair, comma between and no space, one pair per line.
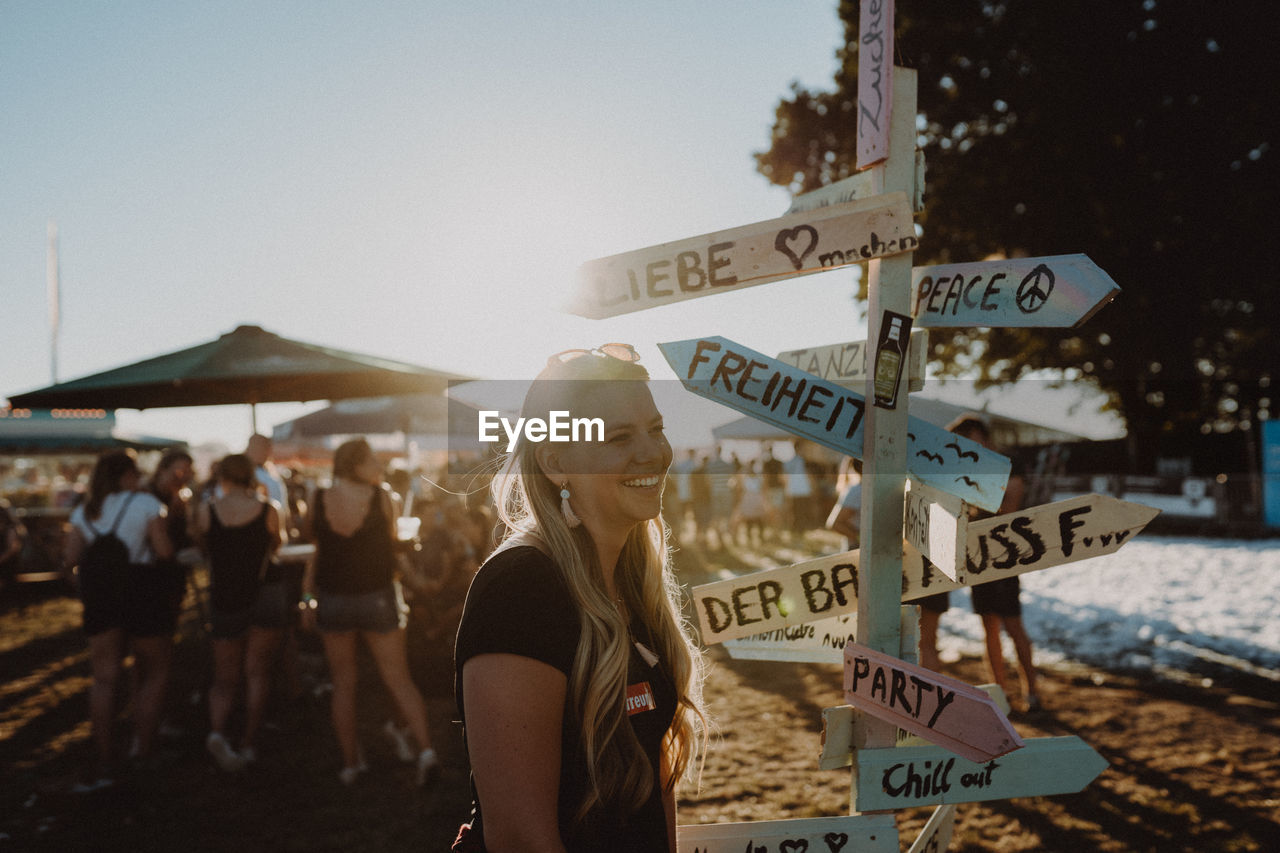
1195,759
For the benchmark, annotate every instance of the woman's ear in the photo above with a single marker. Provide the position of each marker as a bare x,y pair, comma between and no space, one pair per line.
549,462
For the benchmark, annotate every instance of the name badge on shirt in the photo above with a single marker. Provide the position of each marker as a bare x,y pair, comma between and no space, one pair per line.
640,698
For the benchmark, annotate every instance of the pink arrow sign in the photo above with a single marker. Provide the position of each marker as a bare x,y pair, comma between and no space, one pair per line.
942,710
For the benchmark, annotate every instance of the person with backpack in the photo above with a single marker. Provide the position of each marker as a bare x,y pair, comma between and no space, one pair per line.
116,537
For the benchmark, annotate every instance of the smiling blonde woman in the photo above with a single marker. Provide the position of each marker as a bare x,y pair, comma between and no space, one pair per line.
578,683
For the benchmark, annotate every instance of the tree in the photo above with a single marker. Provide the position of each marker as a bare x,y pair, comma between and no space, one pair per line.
1138,132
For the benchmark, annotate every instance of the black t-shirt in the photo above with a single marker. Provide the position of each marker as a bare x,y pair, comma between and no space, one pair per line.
519,604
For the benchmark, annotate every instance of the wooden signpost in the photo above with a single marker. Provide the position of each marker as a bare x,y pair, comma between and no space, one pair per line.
906,776
848,606
1061,291
846,364
773,391
853,834
940,709
794,245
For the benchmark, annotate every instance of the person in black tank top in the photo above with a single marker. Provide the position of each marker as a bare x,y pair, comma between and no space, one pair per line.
350,592
578,688
239,532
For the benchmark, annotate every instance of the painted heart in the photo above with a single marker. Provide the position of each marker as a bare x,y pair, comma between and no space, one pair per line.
797,846
836,841
789,236
1088,541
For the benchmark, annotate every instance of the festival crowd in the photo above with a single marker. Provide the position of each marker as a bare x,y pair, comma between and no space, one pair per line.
369,559
265,559
213,544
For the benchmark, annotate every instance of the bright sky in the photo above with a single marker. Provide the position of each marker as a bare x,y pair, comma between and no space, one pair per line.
413,180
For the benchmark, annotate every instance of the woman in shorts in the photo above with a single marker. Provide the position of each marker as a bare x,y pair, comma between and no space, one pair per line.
350,593
239,531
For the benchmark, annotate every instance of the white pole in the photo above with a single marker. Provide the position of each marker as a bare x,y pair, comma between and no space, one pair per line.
54,296
884,458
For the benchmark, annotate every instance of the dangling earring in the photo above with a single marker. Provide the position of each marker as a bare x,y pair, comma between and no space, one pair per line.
570,517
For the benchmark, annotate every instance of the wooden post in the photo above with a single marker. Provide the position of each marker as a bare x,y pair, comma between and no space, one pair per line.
884,471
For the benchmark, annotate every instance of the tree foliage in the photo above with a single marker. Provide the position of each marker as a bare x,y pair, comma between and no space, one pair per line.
1141,133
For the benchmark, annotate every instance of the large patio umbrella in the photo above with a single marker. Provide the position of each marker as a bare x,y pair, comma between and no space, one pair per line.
248,365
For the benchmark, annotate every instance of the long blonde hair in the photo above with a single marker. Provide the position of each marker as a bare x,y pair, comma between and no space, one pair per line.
527,502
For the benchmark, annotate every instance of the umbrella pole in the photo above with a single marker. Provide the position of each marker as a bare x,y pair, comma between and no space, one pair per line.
253,417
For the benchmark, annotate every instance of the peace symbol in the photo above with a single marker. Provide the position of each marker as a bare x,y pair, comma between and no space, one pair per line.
1034,290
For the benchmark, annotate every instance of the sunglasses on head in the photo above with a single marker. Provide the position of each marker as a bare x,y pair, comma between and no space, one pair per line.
621,352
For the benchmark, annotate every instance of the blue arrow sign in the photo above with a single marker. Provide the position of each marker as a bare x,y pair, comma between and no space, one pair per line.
775,392
903,777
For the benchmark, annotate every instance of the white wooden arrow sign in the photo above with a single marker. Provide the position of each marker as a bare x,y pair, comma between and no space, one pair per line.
856,187
839,722
1029,540
875,79
813,642
1002,546
940,709
935,524
822,641
903,777
852,834
846,364
936,835
775,392
1060,291
769,601
793,245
